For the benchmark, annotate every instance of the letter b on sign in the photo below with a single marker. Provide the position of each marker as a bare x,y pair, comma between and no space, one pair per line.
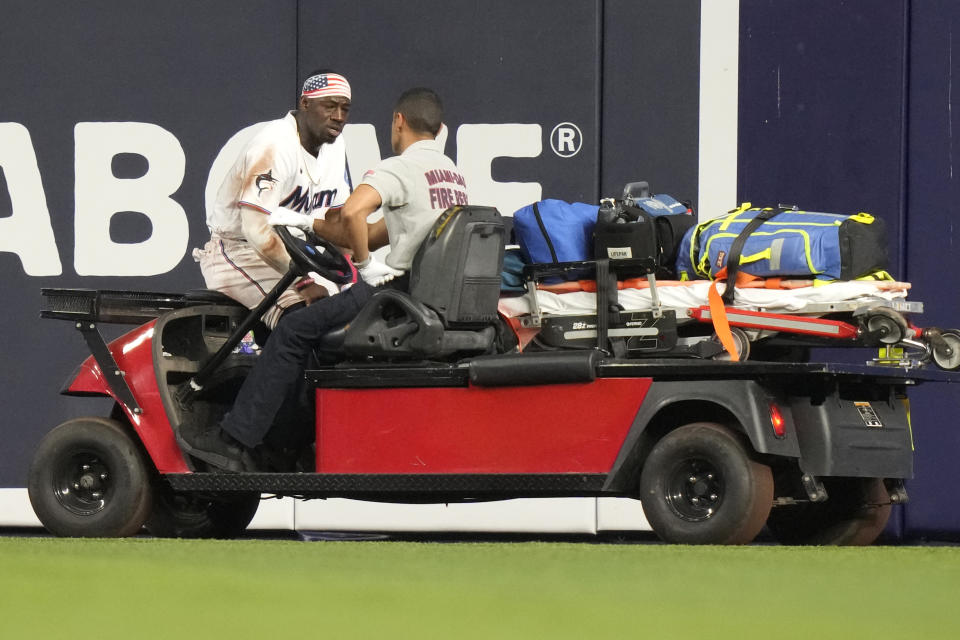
99,195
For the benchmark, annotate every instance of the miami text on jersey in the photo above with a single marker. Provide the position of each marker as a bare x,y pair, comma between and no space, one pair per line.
298,200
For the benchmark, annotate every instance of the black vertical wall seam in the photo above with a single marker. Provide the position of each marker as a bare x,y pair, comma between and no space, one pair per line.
741,196
902,205
598,114
736,187
297,72
598,157
900,515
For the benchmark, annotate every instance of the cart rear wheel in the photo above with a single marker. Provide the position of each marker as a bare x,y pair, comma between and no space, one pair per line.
855,514
700,485
186,515
948,357
89,478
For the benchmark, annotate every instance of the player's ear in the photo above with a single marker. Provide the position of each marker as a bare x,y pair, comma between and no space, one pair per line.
302,104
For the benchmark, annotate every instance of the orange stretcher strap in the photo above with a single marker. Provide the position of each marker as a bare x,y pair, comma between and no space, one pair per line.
718,315
745,279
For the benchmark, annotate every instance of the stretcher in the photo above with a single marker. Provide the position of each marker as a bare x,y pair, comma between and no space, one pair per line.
642,317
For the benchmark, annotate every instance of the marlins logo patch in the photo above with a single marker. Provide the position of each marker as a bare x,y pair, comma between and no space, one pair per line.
265,182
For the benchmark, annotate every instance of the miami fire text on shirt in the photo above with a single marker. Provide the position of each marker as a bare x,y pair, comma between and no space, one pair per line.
441,196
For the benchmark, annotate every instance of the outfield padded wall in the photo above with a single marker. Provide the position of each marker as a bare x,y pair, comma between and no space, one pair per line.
843,107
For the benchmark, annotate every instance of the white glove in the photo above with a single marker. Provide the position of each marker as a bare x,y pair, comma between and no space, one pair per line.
375,272
282,216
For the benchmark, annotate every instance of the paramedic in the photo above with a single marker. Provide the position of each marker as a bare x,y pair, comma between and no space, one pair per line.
406,186
297,162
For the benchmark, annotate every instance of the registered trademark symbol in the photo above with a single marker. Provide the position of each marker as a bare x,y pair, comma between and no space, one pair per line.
566,139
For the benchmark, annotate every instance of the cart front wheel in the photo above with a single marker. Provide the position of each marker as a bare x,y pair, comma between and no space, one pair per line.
700,485
89,478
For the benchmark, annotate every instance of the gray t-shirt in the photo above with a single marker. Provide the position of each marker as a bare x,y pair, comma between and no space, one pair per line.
416,187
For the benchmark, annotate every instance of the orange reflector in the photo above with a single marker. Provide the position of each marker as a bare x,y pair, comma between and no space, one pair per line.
776,419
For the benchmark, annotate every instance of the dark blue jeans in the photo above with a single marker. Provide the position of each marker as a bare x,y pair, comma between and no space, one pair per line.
278,372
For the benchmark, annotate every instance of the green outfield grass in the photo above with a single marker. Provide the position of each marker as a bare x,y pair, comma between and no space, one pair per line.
147,588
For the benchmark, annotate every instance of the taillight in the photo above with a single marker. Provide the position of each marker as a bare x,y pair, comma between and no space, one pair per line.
776,419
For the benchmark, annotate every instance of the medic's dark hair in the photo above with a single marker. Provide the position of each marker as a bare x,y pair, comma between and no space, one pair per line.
422,109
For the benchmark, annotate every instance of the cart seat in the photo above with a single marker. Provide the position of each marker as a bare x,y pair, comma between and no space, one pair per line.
454,291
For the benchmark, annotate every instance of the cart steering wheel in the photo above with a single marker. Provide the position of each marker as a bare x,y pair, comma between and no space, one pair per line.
319,255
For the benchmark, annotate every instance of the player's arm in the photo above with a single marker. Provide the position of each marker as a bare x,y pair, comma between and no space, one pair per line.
259,233
264,170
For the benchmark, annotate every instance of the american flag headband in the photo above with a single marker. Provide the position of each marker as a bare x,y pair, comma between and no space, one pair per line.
324,85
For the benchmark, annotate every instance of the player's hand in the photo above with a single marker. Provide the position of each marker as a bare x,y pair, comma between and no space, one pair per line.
312,292
311,288
282,216
375,272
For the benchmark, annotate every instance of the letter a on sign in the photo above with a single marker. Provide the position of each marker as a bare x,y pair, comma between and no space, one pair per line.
99,195
28,232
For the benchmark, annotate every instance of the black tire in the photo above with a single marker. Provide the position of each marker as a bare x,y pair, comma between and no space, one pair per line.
701,485
89,478
855,515
186,515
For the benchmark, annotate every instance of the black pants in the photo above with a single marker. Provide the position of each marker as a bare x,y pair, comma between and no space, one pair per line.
280,366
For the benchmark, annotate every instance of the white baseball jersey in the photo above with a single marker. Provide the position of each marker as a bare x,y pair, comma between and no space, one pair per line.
416,187
275,170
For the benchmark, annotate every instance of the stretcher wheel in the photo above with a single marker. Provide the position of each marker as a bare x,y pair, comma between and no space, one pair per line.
740,340
947,354
886,326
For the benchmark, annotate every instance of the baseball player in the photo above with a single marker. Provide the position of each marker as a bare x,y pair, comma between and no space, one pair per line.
297,163
413,188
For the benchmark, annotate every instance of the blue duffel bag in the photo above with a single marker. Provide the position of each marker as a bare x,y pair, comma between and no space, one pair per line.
555,231
779,242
